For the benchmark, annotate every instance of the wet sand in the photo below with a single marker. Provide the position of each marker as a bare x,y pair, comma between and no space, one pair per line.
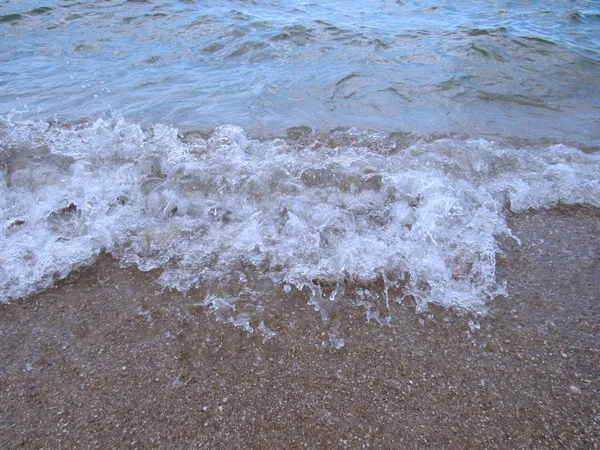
107,360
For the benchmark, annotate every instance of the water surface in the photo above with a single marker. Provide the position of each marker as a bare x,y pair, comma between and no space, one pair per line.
487,69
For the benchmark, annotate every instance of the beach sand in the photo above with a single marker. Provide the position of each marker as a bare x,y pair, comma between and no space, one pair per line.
108,360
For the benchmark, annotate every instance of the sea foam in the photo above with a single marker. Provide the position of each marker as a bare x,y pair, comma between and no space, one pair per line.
337,214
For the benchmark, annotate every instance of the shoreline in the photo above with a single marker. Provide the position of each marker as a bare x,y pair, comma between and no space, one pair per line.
107,359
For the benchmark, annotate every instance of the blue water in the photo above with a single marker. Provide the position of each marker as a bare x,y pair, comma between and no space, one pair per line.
483,69
360,152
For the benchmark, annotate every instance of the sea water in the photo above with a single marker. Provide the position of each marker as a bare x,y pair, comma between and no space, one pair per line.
367,150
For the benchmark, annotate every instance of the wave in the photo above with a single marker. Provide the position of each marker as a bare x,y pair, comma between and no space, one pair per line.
342,214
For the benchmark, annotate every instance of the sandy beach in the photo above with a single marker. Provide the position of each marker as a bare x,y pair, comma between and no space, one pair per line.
280,225
108,360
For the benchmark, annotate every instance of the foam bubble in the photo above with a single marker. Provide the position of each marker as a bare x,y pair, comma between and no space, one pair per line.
364,221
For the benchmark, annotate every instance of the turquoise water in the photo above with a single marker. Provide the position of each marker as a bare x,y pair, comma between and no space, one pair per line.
485,69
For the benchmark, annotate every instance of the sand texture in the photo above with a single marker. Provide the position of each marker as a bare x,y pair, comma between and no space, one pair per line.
108,360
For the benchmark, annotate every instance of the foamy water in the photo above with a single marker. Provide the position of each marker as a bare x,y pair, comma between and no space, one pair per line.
336,213
363,153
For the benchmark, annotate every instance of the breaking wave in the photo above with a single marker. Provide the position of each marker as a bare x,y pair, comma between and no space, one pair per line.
341,214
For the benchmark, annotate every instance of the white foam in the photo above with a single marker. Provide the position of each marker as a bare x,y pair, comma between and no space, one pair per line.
237,214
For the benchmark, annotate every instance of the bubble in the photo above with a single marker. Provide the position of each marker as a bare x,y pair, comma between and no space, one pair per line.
349,223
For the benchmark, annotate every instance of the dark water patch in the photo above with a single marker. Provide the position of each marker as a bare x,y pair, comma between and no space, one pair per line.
365,41
350,85
298,34
455,84
75,16
260,25
539,40
296,133
84,47
153,60
143,17
232,32
476,51
517,99
585,16
11,18
485,32
397,92
245,47
240,15
214,47
40,10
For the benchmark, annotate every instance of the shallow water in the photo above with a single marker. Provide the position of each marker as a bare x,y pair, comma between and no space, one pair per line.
362,154
486,69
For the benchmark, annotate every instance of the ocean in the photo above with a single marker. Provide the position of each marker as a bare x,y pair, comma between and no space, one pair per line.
361,153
